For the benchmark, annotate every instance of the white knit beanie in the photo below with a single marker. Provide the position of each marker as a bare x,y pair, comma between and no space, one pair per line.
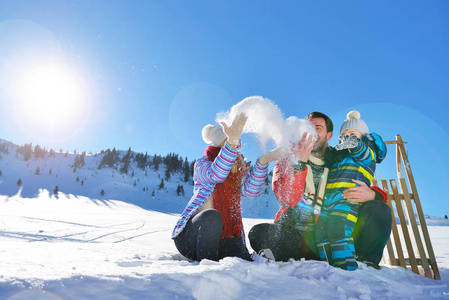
353,121
213,135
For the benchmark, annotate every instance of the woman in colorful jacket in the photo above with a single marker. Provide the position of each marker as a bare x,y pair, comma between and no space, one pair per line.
211,225
360,151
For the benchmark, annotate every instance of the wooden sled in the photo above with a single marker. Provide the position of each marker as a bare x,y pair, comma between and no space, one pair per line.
419,255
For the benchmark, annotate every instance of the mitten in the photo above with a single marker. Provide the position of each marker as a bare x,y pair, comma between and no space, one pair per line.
275,154
347,142
234,131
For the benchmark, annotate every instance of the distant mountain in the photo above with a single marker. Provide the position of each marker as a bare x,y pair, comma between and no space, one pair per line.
150,181
436,221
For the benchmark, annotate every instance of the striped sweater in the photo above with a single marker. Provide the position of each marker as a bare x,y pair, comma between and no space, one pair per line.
207,174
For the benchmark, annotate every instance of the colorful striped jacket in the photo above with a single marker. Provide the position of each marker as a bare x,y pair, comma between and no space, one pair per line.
207,174
358,163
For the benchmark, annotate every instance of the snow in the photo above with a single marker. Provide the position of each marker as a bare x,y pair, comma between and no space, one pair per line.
81,245
74,247
266,122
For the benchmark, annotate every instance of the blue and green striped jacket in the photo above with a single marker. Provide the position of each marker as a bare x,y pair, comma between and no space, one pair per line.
359,164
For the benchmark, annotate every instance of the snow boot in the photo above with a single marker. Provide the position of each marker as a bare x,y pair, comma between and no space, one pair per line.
343,254
325,252
264,256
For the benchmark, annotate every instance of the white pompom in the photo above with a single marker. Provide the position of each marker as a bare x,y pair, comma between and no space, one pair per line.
353,115
206,133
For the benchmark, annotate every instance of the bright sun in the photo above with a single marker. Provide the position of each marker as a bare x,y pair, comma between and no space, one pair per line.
51,100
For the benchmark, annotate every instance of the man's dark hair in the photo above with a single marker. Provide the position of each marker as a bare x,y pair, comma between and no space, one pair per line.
329,124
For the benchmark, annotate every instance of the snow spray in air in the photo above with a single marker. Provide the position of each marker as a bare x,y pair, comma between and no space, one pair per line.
267,122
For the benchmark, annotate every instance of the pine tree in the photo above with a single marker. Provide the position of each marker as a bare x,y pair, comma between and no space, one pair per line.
19,182
39,152
167,174
26,150
182,191
56,190
38,171
126,161
109,158
186,170
161,185
192,168
156,162
102,193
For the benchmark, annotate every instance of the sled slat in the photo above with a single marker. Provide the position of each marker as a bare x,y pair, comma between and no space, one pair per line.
389,243
422,220
412,221
394,229
404,228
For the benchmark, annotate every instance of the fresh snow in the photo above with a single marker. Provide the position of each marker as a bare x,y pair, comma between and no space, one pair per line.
81,245
74,247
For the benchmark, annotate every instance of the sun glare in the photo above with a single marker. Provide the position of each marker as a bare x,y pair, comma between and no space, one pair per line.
51,100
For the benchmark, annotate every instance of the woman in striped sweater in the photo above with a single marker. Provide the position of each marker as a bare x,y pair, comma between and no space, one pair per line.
211,227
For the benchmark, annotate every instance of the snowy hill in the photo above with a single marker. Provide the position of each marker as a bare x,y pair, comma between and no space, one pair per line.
436,221
74,247
79,174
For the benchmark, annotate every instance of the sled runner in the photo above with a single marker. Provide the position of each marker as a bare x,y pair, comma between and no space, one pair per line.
413,234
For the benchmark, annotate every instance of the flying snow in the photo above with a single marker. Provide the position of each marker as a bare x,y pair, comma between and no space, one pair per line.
266,121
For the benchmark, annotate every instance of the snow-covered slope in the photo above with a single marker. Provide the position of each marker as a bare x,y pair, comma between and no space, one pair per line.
139,186
74,247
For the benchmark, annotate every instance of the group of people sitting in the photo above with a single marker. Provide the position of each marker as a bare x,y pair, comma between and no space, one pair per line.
328,209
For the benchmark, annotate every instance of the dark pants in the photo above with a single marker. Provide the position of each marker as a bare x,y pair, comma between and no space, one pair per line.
200,239
371,234
372,231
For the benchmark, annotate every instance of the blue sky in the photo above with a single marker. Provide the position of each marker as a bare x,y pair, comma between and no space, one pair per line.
151,74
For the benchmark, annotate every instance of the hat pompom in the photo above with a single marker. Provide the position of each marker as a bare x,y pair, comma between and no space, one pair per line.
353,115
213,135
206,133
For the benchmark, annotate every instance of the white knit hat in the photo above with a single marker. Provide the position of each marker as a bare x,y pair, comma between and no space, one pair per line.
353,121
213,135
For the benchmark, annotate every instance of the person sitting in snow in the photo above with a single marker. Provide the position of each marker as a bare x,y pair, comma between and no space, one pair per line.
358,153
300,187
211,227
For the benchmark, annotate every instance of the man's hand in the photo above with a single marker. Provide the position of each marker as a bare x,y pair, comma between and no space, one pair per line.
303,149
361,193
